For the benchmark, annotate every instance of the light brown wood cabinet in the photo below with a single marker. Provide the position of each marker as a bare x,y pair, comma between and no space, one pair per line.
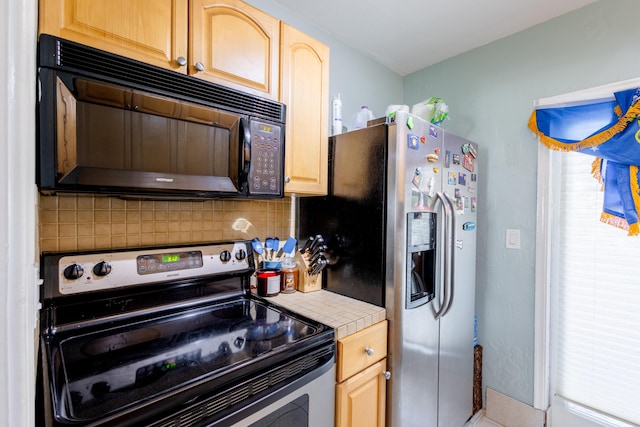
151,31
227,42
236,45
304,88
361,376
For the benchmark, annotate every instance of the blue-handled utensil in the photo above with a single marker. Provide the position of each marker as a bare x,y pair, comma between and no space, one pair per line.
268,244
258,248
289,246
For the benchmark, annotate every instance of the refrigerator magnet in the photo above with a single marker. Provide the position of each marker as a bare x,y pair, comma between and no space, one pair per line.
474,202
412,141
447,158
462,178
417,177
433,132
468,162
452,179
456,159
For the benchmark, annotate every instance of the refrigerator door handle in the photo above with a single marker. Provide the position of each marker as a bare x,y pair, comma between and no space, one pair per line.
452,253
448,249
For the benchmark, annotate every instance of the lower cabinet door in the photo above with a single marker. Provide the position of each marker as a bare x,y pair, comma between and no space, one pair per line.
361,399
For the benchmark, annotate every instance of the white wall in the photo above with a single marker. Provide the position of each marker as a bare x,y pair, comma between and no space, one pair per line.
17,204
490,92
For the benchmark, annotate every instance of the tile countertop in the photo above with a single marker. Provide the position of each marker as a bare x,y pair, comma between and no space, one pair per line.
346,315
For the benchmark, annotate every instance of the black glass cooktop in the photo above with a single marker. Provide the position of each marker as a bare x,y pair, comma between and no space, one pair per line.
104,371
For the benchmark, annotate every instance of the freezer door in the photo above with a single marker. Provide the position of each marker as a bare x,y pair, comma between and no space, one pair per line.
413,330
456,326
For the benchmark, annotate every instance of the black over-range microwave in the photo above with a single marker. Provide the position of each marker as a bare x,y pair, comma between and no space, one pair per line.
109,124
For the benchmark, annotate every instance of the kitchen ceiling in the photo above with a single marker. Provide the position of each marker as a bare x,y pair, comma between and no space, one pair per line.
408,35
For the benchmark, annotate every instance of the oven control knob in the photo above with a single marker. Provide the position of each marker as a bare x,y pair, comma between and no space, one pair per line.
102,268
73,272
241,254
225,256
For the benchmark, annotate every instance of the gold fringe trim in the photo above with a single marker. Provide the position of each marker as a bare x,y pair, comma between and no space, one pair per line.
617,110
596,166
594,140
634,229
614,220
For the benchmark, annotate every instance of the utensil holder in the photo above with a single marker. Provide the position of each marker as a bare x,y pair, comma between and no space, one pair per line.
307,282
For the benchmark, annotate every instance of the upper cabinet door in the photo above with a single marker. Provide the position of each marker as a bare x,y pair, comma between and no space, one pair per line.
151,31
305,91
236,45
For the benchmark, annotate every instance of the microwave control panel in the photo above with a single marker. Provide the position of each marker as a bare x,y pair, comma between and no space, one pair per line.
267,160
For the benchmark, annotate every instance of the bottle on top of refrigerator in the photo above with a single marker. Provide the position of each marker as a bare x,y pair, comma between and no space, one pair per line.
361,118
337,115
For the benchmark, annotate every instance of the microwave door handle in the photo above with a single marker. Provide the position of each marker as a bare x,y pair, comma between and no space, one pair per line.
245,135
245,154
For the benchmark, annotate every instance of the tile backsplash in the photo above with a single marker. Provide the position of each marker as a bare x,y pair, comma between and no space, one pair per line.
84,222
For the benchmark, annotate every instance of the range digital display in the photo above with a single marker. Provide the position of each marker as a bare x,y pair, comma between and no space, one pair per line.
161,263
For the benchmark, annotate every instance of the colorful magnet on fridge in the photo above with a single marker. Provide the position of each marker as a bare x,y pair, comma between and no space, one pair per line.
451,179
456,159
433,132
410,122
469,162
417,177
465,148
447,158
412,141
436,170
423,139
473,150
432,158
469,226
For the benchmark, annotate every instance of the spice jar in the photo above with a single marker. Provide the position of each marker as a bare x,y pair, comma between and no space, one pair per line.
288,276
268,282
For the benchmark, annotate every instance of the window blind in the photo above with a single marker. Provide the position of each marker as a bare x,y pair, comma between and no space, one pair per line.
595,299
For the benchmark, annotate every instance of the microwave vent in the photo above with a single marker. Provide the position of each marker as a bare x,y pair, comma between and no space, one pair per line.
65,55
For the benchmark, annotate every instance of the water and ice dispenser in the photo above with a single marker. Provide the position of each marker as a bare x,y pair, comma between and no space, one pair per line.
421,258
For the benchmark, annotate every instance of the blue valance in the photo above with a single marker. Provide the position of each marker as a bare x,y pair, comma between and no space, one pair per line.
609,131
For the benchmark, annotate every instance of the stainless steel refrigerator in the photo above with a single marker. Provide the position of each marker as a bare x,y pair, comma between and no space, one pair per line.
399,225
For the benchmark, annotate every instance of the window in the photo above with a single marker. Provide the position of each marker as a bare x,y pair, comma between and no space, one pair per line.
595,299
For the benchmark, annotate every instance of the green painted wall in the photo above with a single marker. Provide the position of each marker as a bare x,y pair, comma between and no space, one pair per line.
490,92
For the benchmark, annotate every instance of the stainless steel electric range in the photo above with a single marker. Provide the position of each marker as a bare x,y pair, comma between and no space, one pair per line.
173,337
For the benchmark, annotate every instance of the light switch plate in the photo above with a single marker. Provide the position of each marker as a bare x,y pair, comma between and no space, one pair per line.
512,239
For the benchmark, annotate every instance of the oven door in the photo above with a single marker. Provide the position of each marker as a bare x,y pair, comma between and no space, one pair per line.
308,402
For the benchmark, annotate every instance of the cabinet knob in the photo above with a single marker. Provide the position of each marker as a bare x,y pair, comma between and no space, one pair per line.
199,66
182,61
369,351
287,180
386,375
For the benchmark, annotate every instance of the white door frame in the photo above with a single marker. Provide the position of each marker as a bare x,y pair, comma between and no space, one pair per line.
18,289
545,204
